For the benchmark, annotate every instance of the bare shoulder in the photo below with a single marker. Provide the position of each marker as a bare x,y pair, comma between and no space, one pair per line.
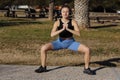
74,22
56,23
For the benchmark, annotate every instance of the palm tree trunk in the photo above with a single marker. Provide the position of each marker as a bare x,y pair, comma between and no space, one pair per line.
81,13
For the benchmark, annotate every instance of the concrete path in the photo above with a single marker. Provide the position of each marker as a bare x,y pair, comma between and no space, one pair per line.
23,72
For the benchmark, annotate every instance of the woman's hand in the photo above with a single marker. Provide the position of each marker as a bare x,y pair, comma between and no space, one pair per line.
54,31
65,26
76,29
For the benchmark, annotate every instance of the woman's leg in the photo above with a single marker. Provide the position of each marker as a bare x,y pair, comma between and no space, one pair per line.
43,51
86,51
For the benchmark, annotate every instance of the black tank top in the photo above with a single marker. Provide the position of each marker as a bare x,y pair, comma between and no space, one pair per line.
65,33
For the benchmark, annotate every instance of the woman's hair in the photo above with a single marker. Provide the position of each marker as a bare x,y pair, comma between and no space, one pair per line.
66,6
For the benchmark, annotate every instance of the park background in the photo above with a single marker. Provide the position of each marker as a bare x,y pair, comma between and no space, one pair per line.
21,36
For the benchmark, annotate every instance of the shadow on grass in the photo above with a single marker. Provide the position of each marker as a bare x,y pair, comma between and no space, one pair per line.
8,23
103,26
104,64
108,63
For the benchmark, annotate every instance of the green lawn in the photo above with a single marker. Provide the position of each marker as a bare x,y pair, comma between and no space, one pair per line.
21,39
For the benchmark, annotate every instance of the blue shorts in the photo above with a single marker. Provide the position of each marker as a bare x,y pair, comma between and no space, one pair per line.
65,44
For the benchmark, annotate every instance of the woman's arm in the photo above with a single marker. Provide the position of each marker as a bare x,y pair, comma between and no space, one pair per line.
76,30
54,31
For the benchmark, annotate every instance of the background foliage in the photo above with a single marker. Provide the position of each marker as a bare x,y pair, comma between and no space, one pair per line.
94,4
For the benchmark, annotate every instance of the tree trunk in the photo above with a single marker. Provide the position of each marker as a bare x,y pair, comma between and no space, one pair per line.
81,13
51,7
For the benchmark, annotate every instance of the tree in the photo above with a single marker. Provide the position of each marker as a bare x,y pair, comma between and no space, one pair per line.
104,4
4,3
51,7
81,13
62,2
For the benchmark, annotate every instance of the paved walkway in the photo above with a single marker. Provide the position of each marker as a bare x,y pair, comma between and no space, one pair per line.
23,72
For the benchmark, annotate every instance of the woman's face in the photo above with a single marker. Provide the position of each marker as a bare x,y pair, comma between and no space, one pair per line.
65,12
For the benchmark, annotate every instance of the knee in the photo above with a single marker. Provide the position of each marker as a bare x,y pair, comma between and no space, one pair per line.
44,48
87,50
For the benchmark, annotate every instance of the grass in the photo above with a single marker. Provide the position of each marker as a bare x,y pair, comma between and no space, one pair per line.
21,39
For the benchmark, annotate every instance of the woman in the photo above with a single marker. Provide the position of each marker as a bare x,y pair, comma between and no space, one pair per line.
65,28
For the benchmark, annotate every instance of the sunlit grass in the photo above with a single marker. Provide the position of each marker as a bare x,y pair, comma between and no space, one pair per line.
20,43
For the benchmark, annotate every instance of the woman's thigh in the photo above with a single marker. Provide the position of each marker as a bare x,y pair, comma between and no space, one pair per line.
83,48
47,46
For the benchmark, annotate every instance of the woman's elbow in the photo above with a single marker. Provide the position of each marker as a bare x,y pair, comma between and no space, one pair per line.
51,35
79,35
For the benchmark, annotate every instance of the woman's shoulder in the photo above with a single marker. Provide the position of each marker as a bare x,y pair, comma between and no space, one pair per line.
57,22
73,21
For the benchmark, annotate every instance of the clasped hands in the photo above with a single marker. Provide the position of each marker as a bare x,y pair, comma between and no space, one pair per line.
65,26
